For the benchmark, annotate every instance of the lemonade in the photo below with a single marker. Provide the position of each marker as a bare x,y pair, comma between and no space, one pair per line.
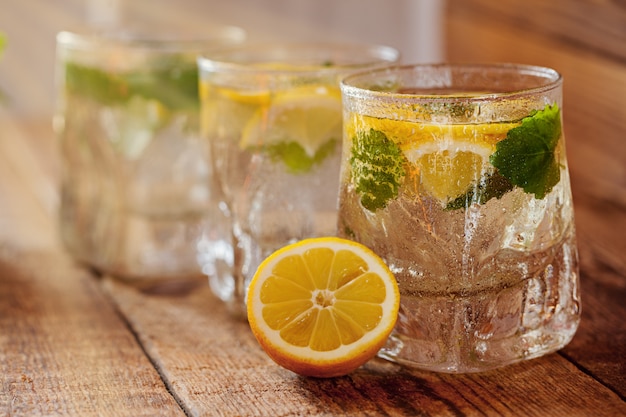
466,197
135,173
272,117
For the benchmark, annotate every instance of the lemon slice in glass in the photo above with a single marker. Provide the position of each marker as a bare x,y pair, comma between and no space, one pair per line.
297,126
447,169
252,97
451,159
323,306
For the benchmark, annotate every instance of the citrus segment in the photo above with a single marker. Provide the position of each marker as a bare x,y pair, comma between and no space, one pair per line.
280,315
323,306
319,263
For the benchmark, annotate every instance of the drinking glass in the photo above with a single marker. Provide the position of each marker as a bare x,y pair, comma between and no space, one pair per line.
456,175
272,116
134,186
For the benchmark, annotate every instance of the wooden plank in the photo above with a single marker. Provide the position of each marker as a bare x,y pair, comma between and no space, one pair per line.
599,346
63,348
213,365
594,25
28,189
27,67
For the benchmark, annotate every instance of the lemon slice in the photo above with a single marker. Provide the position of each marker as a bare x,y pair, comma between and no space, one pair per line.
448,169
308,116
450,159
323,306
253,97
410,134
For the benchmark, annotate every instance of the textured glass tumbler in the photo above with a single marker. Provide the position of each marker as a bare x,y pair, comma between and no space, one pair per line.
456,175
272,116
135,172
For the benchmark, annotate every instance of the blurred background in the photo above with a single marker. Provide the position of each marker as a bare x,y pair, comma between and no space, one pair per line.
585,40
413,26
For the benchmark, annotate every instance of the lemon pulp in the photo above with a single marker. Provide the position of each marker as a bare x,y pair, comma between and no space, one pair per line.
322,306
323,302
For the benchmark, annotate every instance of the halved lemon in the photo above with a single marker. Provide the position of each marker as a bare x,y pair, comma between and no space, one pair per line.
309,116
322,307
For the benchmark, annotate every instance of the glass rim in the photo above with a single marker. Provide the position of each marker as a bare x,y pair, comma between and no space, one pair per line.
553,79
217,61
135,37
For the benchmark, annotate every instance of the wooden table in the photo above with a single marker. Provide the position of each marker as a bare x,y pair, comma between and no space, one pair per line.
74,343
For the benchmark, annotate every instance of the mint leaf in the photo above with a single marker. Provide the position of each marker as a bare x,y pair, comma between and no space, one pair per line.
295,157
377,168
526,157
173,82
102,87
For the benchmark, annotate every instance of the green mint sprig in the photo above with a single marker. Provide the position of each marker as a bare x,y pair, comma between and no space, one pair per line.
174,83
377,168
295,157
105,88
526,157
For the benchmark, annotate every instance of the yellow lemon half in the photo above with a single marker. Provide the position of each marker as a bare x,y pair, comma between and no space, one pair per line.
322,307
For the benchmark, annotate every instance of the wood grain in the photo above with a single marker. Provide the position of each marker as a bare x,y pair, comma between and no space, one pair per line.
28,195
593,25
212,364
63,348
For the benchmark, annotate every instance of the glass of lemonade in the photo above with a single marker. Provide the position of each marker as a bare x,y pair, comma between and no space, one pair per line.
456,175
273,118
135,173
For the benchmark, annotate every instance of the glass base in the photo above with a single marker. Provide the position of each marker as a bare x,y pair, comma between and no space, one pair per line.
471,355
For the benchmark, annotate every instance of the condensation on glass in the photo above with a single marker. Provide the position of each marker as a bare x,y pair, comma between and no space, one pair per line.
456,175
135,172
